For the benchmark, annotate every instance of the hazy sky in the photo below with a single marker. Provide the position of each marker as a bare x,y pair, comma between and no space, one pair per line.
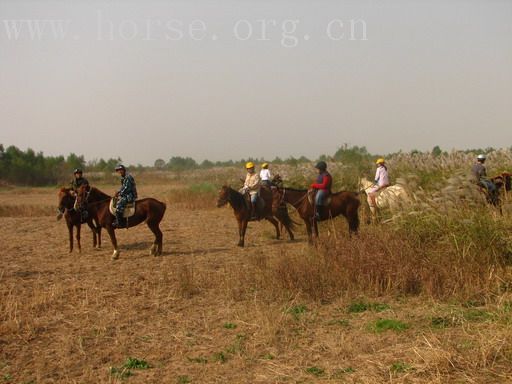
231,79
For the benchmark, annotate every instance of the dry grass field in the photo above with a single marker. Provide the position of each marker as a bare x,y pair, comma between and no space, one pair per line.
351,310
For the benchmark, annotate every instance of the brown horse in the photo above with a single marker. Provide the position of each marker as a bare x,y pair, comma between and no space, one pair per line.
147,210
74,219
242,210
342,203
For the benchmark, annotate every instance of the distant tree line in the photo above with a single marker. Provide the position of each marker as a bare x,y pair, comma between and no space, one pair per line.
31,168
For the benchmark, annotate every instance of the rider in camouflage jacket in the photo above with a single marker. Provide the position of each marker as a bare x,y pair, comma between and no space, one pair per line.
127,194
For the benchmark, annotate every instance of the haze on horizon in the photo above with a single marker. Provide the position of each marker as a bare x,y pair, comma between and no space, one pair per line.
233,79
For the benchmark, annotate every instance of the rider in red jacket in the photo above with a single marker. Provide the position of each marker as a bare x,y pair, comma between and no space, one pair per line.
323,186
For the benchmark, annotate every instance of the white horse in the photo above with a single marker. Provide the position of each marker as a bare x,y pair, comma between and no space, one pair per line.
392,197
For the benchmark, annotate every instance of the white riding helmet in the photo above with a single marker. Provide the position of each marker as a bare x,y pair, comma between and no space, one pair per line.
481,157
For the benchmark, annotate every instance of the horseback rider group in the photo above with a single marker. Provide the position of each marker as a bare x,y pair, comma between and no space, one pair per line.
479,173
127,193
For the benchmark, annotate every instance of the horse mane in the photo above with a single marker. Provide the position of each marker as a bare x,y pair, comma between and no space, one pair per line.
236,198
96,192
295,189
65,190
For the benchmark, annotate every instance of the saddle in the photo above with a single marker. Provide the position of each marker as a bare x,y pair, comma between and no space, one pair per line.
260,204
129,210
311,198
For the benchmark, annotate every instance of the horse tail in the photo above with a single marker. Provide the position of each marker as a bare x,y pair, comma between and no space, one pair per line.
283,215
353,213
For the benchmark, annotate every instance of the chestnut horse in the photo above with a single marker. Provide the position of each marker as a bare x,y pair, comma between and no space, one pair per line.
147,210
341,203
242,210
74,219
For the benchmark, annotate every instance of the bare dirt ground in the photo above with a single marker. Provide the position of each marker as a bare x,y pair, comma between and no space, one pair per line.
77,318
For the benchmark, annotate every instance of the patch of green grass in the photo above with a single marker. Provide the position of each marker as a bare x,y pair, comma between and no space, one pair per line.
199,359
230,325
7,377
400,367
478,315
340,322
315,371
202,188
441,322
297,311
338,373
220,357
120,373
183,380
383,325
238,345
361,306
134,363
268,356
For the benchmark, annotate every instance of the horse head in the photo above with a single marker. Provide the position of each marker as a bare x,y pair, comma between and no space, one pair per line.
66,200
364,184
224,196
277,180
82,195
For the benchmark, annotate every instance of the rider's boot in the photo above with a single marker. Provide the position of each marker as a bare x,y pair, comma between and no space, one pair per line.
253,211
120,221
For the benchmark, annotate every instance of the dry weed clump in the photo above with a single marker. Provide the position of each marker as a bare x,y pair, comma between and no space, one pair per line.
436,254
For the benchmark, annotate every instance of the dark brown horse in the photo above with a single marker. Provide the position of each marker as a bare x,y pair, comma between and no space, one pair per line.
341,203
242,210
149,210
73,219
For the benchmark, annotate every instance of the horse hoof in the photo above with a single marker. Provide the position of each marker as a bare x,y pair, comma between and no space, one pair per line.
115,255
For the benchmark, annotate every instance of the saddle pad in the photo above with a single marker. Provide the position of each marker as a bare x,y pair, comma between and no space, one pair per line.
128,211
311,198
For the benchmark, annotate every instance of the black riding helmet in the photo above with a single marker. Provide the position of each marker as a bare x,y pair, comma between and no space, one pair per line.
77,170
120,167
321,165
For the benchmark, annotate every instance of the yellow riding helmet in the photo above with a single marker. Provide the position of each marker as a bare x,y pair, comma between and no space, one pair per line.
380,161
249,165
264,165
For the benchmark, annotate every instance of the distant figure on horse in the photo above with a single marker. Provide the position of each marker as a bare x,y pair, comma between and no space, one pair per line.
381,181
252,187
479,174
323,205
76,183
265,176
322,186
127,194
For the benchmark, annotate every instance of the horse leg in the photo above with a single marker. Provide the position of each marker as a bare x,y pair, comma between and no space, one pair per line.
242,227
98,228
156,247
352,217
112,234
94,233
276,226
70,231
78,227
309,230
290,233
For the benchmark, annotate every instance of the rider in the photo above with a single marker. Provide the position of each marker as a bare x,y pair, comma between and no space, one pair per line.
381,181
323,186
77,182
265,175
252,186
479,172
127,194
